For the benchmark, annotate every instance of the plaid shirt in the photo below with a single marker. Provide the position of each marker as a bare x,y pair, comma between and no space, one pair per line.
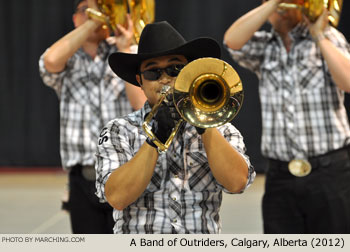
302,109
182,196
90,95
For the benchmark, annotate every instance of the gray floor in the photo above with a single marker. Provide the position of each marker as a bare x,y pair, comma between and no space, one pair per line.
30,204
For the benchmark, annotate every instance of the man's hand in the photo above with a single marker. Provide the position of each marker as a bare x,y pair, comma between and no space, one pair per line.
92,4
164,122
317,28
124,37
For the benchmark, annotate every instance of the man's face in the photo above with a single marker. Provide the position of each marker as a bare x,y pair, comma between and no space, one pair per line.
155,79
80,17
283,20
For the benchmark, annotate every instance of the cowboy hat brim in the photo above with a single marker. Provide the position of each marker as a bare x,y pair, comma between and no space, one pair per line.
127,65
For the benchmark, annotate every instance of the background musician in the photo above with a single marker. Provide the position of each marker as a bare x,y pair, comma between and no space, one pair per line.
90,95
303,71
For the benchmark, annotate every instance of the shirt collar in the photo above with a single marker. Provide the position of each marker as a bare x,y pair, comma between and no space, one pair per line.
103,50
145,110
300,31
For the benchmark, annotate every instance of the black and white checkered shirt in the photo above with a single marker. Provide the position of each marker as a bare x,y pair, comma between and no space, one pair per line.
182,196
90,95
302,109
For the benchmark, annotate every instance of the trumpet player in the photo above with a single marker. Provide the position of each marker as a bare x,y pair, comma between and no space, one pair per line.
303,71
179,191
90,95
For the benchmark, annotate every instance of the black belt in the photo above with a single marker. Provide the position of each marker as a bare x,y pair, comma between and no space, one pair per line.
335,156
87,171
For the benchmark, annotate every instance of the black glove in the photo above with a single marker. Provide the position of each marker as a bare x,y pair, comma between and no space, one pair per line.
164,122
200,131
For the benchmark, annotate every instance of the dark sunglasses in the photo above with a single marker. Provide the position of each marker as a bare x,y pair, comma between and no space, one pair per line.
155,73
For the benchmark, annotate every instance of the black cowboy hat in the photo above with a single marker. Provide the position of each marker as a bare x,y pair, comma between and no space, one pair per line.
159,39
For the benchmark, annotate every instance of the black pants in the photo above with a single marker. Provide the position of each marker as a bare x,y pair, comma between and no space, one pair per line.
87,214
316,203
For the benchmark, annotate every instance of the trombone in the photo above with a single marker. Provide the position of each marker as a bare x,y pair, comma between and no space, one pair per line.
207,93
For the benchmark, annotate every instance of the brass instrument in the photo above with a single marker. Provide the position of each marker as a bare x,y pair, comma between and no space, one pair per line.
207,93
314,8
113,12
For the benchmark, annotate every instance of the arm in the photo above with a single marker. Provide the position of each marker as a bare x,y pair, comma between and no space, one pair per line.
130,180
337,62
60,52
243,29
227,165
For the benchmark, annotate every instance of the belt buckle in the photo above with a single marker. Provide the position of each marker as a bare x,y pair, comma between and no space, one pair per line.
299,167
88,172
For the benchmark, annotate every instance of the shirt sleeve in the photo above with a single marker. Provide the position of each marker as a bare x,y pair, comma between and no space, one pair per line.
251,55
114,82
338,40
113,150
234,137
53,80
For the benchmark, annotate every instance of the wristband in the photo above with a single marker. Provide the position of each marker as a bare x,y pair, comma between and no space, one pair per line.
200,131
151,143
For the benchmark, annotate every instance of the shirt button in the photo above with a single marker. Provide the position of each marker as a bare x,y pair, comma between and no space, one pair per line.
191,163
176,176
174,220
174,199
174,155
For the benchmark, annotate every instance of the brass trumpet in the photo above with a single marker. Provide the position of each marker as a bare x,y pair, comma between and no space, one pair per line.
113,12
207,93
314,8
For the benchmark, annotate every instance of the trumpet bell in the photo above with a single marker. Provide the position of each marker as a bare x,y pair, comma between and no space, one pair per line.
208,93
142,13
334,7
314,8
113,12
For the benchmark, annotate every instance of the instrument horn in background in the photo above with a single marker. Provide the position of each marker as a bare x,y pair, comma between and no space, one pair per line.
314,8
113,12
